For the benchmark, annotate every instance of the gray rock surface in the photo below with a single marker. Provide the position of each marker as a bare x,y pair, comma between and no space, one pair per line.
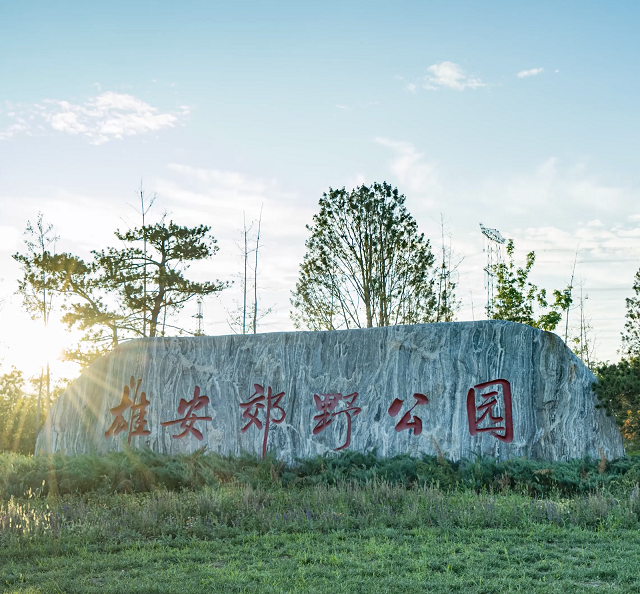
432,366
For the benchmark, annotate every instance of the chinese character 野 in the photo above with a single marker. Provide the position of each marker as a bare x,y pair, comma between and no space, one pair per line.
501,427
406,422
251,411
137,423
327,405
188,408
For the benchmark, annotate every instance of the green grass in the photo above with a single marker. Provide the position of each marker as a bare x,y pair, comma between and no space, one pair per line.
376,537
352,523
543,559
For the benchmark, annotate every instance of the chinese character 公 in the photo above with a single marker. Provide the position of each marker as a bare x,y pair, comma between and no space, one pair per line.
257,403
406,422
488,401
327,404
137,421
187,422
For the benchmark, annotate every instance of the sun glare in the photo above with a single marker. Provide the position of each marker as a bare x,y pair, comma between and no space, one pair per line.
43,345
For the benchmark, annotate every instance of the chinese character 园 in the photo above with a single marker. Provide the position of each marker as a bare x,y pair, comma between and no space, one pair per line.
501,427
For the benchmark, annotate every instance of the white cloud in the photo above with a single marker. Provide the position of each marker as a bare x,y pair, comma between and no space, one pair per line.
102,118
229,181
450,75
409,166
8,238
532,72
411,88
9,132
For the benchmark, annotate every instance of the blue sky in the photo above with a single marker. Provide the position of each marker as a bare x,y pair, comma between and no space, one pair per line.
522,116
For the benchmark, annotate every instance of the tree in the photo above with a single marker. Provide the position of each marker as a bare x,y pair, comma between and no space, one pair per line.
152,285
12,414
18,411
366,264
239,316
516,298
631,334
618,386
129,291
37,285
447,304
82,286
618,391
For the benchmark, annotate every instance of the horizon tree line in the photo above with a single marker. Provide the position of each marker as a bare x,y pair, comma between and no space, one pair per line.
366,265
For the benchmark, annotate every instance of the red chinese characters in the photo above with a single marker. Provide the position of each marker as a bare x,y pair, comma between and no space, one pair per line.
258,401
327,405
188,408
137,423
406,422
484,406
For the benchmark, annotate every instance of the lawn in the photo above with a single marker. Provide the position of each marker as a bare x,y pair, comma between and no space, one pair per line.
263,534
543,559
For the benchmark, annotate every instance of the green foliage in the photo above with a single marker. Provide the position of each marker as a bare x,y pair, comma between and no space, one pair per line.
618,391
36,285
17,414
631,335
517,298
150,282
366,264
124,292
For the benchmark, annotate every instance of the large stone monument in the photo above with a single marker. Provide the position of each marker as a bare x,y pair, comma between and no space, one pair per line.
492,388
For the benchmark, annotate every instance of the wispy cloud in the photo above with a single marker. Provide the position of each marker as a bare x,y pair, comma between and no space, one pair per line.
102,118
532,72
450,75
410,166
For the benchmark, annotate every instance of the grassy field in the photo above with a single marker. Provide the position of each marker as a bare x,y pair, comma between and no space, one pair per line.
358,534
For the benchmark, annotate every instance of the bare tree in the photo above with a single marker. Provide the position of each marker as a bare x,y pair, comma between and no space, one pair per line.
238,317
37,284
144,210
448,304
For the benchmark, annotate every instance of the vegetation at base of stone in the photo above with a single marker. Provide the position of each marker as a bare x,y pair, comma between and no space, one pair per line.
516,297
146,471
366,264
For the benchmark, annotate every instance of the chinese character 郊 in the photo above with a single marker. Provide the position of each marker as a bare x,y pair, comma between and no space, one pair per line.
327,405
251,411
137,423
188,408
406,422
501,427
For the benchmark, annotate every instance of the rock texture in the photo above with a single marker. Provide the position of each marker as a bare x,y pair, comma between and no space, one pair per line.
432,366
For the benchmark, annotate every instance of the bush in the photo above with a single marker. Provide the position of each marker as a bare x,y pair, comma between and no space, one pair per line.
146,471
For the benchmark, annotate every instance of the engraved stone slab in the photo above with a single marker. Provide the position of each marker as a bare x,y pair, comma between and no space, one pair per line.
491,387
